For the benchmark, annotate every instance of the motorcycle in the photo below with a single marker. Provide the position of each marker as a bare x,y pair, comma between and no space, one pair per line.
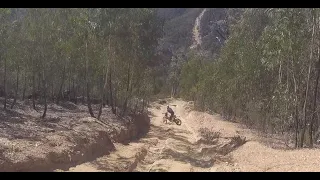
174,119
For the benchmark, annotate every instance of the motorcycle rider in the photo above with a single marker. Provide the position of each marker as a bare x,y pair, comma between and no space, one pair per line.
169,110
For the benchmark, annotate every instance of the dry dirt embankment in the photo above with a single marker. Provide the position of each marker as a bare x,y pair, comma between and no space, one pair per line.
66,138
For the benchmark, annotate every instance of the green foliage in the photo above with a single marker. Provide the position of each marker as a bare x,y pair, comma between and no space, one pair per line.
261,75
66,46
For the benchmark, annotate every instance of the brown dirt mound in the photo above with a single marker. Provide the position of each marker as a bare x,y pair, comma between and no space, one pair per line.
65,138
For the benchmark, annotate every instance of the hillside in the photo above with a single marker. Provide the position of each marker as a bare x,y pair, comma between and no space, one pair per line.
87,89
182,28
180,22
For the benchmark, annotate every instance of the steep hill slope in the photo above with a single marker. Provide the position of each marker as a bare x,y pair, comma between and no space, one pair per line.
210,24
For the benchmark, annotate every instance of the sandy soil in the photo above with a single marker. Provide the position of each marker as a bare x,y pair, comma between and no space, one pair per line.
167,147
189,148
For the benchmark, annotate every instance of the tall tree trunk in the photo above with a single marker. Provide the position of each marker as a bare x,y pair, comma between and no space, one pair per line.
280,72
315,95
44,93
102,96
39,80
87,82
111,93
128,93
5,83
307,90
61,85
74,91
69,94
106,94
115,100
314,107
24,85
39,86
106,77
83,94
52,91
44,81
17,88
143,104
296,118
296,112
33,86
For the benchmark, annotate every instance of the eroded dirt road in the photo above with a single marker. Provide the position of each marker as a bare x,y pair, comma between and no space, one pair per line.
203,143
167,147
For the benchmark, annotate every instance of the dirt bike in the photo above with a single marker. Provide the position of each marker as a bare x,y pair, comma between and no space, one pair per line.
174,119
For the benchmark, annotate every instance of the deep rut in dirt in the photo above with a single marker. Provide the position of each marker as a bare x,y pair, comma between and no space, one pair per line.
168,148
174,152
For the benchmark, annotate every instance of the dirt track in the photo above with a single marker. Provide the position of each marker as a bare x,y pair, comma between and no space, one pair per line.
168,147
